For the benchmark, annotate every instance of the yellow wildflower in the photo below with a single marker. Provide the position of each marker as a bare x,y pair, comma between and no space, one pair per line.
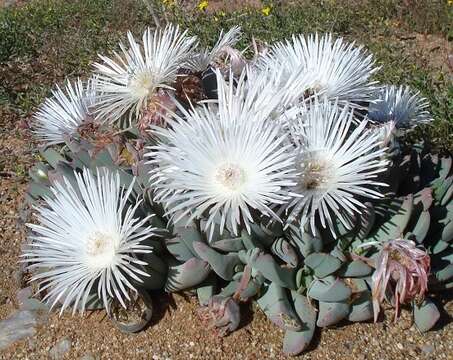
266,10
202,5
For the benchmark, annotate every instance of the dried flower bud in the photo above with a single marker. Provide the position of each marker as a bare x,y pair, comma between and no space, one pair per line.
222,313
401,274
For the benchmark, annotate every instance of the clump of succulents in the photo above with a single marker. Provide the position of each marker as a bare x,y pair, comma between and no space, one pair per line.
281,180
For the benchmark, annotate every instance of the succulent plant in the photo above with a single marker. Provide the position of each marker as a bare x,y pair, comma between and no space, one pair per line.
119,156
261,188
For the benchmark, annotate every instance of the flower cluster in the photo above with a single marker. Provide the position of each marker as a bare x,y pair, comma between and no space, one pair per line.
214,151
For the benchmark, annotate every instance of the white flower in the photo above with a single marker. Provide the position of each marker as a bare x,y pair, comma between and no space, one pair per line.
221,162
337,69
63,113
223,47
401,106
130,78
336,164
86,239
274,86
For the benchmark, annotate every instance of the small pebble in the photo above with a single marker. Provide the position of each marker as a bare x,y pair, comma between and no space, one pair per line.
88,356
23,294
60,348
18,326
427,348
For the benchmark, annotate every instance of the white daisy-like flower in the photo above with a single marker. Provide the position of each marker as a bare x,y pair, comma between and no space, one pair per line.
274,86
220,162
338,70
337,165
267,94
63,113
87,240
224,47
128,80
400,106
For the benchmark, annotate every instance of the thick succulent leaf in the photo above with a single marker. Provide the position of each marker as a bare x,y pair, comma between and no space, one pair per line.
285,252
79,156
262,235
52,157
338,253
446,199
447,232
356,285
442,188
186,275
355,268
253,288
421,228
250,242
361,308
277,307
446,167
331,313
322,264
297,341
230,288
157,270
438,247
179,249
444,274
395,226
37,191
223,265
304,241
425,198
271,270
189,235
103,158
426,315
304,278
207,290
229,245
329,290
420,221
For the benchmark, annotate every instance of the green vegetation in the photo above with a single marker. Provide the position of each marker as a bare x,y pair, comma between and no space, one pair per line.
45,41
